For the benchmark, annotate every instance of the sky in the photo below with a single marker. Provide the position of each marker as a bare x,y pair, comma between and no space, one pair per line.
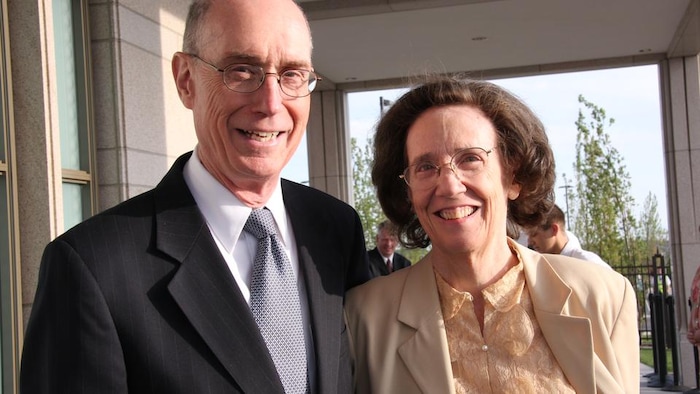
628,95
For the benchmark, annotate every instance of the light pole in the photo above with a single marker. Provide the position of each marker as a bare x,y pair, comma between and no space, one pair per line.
566,188
384,103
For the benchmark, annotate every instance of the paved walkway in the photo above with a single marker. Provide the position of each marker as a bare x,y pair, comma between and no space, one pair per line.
645,370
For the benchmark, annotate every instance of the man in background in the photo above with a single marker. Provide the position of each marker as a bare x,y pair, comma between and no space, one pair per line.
384,259
552,237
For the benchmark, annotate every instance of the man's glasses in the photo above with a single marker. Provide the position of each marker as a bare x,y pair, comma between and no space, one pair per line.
464,164
247,78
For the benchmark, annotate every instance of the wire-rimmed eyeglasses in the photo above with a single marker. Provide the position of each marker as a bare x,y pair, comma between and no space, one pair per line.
247,78
464,164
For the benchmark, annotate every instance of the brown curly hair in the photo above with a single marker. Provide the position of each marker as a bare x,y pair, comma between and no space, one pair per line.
521,140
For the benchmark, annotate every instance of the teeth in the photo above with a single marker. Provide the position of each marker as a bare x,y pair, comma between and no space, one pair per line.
261,135
456,213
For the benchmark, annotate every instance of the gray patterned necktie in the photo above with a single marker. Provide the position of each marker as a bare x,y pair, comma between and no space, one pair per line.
274,301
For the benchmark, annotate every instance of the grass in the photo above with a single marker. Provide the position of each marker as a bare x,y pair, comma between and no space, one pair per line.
646,356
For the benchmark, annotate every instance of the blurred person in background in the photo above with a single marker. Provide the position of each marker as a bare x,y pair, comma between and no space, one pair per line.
552,237
384,259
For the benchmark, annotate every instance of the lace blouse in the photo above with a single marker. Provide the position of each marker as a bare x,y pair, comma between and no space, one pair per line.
512,355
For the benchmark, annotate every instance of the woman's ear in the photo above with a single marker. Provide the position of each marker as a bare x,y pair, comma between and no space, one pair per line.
514,191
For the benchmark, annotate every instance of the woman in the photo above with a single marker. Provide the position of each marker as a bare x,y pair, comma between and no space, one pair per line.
454,161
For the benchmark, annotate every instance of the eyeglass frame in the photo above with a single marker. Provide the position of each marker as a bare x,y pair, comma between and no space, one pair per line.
449,164
264,74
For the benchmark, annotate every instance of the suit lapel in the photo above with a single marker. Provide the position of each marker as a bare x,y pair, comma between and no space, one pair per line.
324,286
569,337
205,290
426,354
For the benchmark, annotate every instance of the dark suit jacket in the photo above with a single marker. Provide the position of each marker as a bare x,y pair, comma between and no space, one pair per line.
377,264
138,299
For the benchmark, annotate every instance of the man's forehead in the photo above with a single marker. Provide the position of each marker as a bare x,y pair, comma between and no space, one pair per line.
280,34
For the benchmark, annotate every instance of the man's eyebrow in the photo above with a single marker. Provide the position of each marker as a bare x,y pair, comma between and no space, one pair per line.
241,58
233,58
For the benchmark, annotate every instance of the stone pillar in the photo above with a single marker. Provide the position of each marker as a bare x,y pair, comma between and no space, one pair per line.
328,140
680,80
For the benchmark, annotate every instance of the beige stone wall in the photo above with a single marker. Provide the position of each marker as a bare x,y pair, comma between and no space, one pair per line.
680,79
143,126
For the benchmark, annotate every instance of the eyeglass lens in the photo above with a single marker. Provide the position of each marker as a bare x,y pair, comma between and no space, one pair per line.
465,163
245,78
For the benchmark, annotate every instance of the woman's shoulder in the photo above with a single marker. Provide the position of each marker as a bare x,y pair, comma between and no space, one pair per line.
385,294
586,276
387,287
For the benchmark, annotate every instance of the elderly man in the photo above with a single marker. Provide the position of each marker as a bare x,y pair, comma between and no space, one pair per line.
224,278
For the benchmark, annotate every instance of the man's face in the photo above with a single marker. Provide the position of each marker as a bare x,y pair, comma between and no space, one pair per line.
386,242
542,240
245,139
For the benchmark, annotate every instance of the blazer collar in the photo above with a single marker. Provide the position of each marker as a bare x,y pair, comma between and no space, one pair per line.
204,289
426,353
569,337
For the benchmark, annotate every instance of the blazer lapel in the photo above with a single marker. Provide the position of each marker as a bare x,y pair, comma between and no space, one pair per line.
205,290
569,337
426,354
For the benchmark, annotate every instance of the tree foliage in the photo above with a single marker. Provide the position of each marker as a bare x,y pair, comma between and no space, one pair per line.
363,192
653,237
603,218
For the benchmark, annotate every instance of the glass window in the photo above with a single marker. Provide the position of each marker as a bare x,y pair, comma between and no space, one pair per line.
10,308
72,69
74,197
66,84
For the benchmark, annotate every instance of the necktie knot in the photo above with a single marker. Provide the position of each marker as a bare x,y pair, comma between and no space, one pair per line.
260,223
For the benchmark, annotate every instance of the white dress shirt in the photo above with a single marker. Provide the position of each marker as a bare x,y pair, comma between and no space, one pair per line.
573,249
226,216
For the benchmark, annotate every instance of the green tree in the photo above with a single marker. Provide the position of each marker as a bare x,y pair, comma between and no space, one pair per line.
602,218
651,236
363,193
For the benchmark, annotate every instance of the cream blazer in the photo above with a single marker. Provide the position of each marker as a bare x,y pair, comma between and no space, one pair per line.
587,313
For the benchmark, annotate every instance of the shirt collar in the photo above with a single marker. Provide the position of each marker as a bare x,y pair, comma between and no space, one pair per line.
224,213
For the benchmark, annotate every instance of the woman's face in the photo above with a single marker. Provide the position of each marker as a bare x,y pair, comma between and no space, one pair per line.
460,214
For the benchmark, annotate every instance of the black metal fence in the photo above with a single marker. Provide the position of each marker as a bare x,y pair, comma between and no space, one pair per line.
657,327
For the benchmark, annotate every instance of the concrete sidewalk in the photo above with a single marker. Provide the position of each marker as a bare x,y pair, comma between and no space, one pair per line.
645,370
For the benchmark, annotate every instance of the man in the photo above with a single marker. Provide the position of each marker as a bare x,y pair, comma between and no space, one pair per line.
383,259
553,238
157,294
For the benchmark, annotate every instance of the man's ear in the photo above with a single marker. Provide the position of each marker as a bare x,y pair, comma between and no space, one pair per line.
182,73
555,228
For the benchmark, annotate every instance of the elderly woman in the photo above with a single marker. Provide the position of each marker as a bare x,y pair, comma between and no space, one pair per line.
454,161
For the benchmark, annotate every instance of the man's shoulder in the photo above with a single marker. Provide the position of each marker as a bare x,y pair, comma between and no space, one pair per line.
588,256
406,262
170,194
137,208
314,202
374,255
